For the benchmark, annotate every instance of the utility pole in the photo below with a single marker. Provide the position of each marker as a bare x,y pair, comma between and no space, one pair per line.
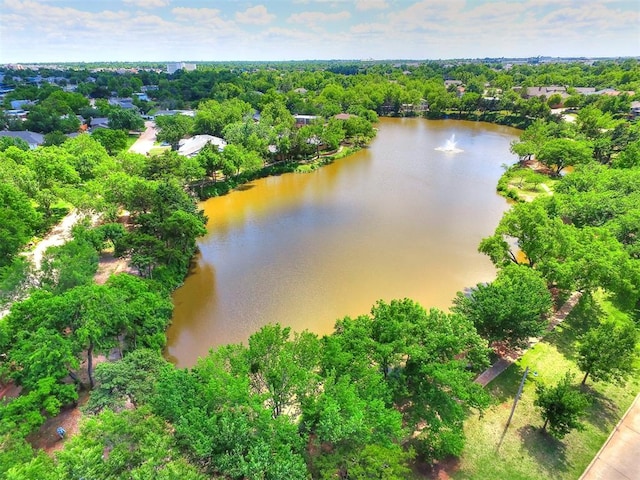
515,400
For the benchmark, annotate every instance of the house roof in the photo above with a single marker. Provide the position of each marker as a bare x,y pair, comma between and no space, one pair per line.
546,91
32,138
344,116
191,146
18,104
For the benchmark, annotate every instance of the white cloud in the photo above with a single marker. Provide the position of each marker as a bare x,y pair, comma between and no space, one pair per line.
315,20
148,3
257,15
363,5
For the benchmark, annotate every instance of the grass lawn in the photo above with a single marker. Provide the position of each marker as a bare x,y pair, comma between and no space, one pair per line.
158,150
523,451
131,139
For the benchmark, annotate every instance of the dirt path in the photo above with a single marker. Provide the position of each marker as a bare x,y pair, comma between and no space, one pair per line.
145,142
58,235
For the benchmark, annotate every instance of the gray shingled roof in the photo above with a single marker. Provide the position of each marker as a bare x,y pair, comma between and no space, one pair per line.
32,138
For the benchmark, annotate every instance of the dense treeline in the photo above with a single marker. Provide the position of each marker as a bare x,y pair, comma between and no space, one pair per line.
383,388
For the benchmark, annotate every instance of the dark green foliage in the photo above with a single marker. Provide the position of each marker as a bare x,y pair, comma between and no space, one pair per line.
561,406
130,379
131,444
512,308
69,265
18,222
6,142
122,119
173,128
112,140
608,352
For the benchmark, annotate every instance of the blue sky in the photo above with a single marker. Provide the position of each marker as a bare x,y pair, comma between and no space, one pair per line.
218,30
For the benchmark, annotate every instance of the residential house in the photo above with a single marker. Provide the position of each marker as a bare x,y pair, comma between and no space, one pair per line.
126,103
34,139
546,91
635,109
190,147
18,104
188,113
98,122
302,120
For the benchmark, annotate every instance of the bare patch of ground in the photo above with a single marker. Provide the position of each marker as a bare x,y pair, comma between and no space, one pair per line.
110,265
47,439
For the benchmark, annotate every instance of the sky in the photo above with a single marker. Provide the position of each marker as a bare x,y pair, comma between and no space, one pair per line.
46,31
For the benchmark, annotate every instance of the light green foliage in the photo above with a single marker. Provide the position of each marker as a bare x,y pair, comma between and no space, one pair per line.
41,467
236,159
213,116
563,152
14,450
248,134
113,141
284,369
533,228
561,406
222,422
69,265
420,360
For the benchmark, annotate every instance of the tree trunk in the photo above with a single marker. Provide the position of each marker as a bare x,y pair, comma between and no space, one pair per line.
585,377
74,377
544,427
90,365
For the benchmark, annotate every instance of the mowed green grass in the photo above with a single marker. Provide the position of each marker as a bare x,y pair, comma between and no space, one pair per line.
523,451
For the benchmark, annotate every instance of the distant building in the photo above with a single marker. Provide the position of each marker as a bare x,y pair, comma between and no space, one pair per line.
174,67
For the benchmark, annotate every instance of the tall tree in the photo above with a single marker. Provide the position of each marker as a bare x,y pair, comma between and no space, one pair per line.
561,406
608,351
512,308
563,152
173,128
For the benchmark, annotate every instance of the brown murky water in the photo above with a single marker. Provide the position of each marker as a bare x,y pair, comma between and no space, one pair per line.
399,219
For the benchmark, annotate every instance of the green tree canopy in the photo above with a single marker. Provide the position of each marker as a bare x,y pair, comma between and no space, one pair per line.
512,308
561,406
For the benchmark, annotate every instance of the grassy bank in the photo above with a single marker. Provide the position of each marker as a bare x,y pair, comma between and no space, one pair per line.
522,184
523,451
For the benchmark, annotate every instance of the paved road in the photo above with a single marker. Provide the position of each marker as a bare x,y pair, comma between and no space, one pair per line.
619,457
146,140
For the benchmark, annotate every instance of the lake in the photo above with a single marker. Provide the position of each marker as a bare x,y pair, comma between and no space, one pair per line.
401,218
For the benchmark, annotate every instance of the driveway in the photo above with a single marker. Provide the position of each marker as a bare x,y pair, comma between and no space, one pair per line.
146,140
